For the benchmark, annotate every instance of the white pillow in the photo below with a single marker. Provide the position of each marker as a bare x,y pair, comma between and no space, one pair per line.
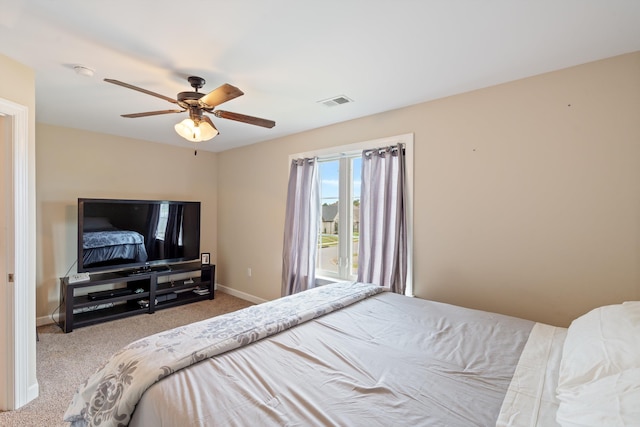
632,312
610,401
599,379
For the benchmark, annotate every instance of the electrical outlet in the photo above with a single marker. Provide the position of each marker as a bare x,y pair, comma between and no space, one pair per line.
249,272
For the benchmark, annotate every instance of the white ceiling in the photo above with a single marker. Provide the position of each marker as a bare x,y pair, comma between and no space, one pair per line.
286,55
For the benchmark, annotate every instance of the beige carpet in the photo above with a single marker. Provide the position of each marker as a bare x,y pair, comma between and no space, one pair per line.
65,360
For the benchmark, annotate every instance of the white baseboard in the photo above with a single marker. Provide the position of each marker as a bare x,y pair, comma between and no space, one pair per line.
241,295
46,320
33,391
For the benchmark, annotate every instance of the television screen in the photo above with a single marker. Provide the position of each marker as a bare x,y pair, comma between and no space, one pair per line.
136,234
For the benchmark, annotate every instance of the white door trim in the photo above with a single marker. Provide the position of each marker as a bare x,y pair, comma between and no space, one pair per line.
18,323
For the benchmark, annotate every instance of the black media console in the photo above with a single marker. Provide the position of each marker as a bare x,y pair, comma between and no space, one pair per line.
85,303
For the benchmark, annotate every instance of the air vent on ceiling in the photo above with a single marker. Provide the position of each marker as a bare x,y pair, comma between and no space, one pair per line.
336,100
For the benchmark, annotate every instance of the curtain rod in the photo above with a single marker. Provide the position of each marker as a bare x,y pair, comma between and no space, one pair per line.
367,152
302,159
390,148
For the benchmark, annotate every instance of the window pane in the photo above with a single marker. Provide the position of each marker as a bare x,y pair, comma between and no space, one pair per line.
162,221
328,241
356,176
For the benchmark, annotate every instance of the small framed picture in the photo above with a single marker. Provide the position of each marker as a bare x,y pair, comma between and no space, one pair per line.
205,258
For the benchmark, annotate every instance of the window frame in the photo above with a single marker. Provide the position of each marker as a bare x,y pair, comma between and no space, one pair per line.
348,150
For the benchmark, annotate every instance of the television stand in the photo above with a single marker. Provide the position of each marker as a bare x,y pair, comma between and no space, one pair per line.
144,292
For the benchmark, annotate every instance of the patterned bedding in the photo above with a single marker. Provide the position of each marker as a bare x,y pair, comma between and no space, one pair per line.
109,397
102,246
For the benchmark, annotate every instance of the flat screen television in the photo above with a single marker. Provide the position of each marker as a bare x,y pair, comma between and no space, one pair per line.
136,235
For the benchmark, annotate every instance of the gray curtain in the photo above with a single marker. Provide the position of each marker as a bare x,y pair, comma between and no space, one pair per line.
382,257
301,227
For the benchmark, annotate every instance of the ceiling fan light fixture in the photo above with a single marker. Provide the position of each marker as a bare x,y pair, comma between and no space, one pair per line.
195,132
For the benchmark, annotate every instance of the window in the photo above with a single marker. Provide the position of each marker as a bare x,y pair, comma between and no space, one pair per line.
339,175
163,221
340,214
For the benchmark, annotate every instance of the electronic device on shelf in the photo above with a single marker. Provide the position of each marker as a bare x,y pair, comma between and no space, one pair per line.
111,293
166,297
78,278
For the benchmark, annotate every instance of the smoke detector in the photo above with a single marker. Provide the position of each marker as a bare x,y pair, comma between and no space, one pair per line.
335,101
81,70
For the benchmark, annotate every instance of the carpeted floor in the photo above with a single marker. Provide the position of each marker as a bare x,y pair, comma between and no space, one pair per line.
65,360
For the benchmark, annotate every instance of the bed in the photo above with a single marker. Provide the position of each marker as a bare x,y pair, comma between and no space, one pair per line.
350,354
104,243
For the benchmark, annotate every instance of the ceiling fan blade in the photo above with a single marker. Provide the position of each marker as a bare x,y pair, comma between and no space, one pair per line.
245,119
151,113
139,89
224,93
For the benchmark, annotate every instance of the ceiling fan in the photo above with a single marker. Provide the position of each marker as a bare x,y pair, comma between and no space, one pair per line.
198,127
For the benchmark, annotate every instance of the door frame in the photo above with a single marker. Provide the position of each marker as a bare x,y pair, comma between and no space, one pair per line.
17,361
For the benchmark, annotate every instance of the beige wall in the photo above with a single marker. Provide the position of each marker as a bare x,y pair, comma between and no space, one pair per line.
527,194
73,163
